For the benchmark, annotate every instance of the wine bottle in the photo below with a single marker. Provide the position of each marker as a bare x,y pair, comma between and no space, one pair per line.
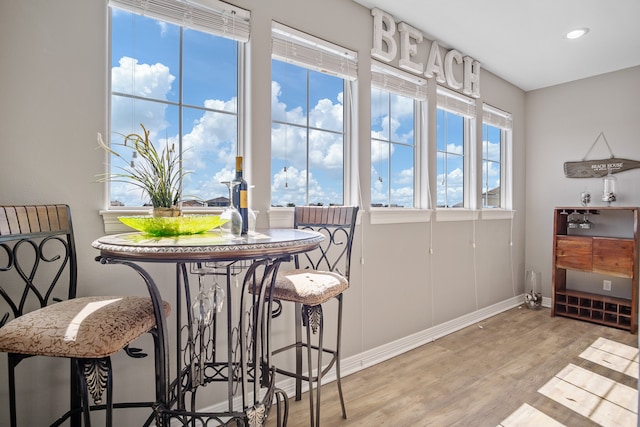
240,196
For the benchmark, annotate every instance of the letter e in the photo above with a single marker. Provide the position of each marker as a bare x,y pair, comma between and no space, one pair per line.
408,49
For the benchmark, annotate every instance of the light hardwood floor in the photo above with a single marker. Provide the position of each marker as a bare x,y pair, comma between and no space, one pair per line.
476,377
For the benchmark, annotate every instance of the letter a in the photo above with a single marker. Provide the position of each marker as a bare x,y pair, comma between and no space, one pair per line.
434,64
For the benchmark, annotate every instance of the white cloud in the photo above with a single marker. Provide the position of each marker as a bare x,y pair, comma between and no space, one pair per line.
212,132
153,81
325,152
163,27
144,80
391,130
289,187
212,137
401,113
378,187
493,150
492,168
455,149
379,152
279,110
402,196
327,115
404,177
454,189
211,140
401,106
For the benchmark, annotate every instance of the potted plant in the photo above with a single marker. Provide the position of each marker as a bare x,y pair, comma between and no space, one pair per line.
157,173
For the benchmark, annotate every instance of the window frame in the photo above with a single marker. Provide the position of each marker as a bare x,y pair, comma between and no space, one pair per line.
485,171
209,19
504,122
309,128
320,55
461,105
392,81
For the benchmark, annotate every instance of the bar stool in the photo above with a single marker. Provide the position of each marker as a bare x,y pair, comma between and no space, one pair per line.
319,276
42,316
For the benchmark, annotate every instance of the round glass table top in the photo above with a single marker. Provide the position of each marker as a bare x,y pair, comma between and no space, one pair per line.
213,245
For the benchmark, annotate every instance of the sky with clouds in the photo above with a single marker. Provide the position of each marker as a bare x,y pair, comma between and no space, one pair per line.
307,112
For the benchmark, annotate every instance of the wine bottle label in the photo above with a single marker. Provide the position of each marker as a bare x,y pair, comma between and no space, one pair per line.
243,199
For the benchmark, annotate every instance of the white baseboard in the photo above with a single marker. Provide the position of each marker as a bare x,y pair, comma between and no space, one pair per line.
353,364
358,362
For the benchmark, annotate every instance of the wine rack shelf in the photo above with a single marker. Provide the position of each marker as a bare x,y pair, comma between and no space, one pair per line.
593,253
595,308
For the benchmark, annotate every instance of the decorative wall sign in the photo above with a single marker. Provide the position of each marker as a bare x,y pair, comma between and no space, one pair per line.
598,168
385,48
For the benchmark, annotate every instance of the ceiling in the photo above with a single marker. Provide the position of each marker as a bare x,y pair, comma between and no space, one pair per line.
523,41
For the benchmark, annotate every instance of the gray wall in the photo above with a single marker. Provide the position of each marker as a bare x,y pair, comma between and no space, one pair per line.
562,123
53,100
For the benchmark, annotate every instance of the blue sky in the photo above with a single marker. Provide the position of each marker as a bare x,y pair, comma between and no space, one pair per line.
146,62
392,149
324,115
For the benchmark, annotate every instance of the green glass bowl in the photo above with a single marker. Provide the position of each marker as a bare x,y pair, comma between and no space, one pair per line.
173,226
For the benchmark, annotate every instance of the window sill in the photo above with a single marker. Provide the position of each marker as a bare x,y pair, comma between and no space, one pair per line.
444,215
399,216
490,214
280,217
283,217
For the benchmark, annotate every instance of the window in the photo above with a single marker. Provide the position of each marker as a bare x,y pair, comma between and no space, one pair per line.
496,134
396,112
453,144
491,166
310,106
175,70
450,165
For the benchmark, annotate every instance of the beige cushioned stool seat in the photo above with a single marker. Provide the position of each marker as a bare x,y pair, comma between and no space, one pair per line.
88,327
309,287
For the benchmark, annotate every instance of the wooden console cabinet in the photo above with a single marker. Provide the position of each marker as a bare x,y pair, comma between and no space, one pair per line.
595,250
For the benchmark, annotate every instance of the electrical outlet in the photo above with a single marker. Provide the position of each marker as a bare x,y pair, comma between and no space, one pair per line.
606,285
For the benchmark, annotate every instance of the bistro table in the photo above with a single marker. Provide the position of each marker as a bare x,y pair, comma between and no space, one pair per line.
242,314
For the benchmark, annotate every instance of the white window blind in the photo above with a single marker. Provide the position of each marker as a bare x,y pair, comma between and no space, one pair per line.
456,103
390,79
496,117
296,47
216,17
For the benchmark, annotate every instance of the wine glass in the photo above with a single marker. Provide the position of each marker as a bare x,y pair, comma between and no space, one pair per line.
202,304
233,225
251,217
216,295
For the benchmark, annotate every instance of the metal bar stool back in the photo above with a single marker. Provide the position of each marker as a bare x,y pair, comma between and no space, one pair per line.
40,314
319,276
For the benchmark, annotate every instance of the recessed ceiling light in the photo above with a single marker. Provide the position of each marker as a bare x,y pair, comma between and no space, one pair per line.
577,33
